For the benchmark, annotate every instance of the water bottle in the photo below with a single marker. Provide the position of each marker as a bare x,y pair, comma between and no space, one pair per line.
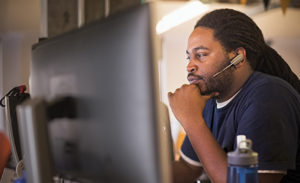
242,163
22,179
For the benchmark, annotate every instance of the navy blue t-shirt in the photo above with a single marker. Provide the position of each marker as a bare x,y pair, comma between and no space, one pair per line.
267,111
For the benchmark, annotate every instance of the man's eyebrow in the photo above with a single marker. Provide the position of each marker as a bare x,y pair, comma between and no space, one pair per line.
198,48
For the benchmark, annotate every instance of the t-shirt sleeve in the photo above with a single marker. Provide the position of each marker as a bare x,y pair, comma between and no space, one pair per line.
188,154
270,121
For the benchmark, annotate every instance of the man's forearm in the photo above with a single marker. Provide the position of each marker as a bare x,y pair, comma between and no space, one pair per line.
188,104
210,153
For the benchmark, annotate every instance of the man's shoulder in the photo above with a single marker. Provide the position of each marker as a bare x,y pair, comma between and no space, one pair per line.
265,91
266,85
261,79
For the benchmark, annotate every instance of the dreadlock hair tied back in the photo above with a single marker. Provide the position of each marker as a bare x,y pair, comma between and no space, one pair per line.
235,29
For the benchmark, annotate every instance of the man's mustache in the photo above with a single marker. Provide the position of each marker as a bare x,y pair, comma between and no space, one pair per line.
195,76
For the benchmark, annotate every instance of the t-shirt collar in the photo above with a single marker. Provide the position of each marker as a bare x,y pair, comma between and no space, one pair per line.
223,104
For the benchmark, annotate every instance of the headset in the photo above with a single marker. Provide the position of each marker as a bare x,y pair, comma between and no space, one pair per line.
236,60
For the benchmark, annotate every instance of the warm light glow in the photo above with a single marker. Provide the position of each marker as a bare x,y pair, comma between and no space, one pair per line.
180,16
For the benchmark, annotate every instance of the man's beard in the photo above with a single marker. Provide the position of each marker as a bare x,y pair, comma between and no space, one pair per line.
220,84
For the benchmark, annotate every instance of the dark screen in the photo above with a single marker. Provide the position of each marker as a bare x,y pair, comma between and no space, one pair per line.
108,68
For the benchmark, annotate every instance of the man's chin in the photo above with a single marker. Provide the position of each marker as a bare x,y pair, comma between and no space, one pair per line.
204,92
202,87
213,94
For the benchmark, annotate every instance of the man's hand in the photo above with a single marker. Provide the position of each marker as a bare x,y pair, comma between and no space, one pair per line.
187,104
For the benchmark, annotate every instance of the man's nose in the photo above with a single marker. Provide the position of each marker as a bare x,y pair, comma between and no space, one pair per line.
191,67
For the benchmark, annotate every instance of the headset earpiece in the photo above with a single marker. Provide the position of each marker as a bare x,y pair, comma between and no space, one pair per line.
237,59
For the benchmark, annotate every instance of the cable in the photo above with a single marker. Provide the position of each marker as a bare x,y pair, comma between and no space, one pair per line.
16,91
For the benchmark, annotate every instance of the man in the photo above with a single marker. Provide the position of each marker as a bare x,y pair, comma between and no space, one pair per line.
257,96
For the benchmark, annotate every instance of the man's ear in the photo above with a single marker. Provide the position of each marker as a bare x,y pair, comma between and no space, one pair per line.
241,51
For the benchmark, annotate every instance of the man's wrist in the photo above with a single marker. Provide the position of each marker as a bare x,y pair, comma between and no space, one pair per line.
193,125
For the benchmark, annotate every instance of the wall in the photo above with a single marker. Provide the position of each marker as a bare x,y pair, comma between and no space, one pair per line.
283,32
19,29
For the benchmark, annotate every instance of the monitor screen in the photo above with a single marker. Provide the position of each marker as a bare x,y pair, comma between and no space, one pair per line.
109,68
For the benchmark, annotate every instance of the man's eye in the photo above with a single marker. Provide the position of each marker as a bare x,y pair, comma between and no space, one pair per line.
200,55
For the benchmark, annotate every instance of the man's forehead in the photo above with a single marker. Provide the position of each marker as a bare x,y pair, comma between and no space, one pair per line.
202,31
201,38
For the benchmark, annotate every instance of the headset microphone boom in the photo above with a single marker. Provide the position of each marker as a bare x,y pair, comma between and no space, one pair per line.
237,59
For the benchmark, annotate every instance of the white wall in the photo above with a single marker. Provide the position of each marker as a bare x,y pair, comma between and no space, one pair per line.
19,29
284,33
174,59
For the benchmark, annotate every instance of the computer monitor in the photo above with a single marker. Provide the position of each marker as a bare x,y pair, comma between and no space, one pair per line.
109,68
